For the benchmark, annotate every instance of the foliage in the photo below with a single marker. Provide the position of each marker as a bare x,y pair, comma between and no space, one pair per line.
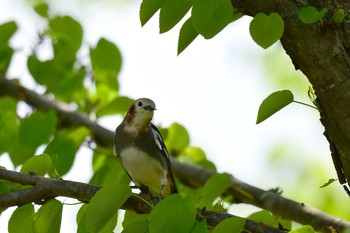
92,87
273,103
311,15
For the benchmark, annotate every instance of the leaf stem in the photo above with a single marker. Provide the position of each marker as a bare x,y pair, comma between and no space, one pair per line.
308,105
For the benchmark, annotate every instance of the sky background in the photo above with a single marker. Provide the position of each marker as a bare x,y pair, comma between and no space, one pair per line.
214,88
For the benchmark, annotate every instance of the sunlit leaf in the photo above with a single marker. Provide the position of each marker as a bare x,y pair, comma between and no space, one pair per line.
273,103
148,8
8,123
215,186
172,12
234,224
22,218
81,219
40,165
42,9
119,105
67,30
104,206
172,215
64,147
48,217
177,138
209,17
187,35
37,128
108,171
266,29
106,62
263,216
7,30
34,131
135,223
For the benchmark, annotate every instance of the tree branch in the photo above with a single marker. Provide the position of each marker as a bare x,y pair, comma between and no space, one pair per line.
46,188
191,175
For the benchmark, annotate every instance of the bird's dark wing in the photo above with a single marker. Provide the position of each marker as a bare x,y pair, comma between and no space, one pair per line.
161,145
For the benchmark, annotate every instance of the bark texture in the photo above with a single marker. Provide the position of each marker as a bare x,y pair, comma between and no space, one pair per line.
321,52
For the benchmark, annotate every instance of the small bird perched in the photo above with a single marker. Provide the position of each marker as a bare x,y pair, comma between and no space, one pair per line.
142,152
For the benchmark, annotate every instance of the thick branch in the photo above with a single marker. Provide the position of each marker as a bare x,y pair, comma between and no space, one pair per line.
189,174
45,188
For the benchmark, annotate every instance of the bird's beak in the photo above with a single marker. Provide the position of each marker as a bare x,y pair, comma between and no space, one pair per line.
149,107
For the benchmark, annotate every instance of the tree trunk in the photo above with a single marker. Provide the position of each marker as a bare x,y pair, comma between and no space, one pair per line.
321,51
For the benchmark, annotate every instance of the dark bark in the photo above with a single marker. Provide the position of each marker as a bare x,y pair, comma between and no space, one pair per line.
321,52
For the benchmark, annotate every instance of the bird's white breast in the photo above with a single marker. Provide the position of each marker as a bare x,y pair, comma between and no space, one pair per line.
143,169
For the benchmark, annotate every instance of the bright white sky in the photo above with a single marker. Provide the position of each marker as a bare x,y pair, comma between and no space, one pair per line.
214,88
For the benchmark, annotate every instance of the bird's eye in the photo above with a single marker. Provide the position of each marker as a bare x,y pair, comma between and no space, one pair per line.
140,104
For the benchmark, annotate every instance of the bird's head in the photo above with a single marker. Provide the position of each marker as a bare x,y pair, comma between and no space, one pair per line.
140,113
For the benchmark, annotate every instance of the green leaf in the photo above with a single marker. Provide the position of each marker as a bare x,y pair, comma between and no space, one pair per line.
119,105
42,9
108,171
266,29
42,72
273,103
71,87
234,224
187,35
64,147
8,123
6,31
6,53
66,31
311,15
215,186
330,181
338,15
200,227
135,223
209,17
196,155
172,12
81,219
81,222
173,214
303,229
40,165
33,131
177,138
148,8
106,62
48,217
263,216
104,206
37,129
22,218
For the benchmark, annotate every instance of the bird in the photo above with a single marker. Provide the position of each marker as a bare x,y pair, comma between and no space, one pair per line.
141,150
